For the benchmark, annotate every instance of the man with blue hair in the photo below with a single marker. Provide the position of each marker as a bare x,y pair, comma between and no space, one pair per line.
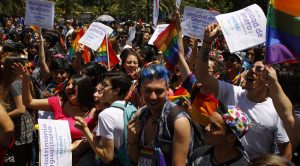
153,136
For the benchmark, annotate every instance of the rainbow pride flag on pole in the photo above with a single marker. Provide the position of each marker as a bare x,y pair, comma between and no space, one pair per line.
75,44
167,43
283,31
106,54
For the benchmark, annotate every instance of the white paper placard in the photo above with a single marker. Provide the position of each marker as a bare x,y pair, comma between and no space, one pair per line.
94,36
39,13
157,31
244,28
55,142
195,20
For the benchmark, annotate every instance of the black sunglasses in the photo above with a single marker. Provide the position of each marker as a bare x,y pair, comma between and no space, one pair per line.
258,69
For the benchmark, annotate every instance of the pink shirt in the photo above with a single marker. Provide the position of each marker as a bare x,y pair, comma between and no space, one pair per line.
59,115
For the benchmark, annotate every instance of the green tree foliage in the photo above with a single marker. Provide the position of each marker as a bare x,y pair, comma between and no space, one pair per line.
124,9
12,7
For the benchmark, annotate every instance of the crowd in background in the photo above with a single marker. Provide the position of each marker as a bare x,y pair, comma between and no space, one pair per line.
39,72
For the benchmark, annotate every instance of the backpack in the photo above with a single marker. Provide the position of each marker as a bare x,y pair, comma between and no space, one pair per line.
198,129
129,112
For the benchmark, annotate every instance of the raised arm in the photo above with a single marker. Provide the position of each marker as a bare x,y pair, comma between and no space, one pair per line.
283,107
192,62
6,128
209,83
28,101
182,64
46,74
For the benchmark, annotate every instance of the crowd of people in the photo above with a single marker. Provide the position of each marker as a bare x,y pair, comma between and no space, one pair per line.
212,108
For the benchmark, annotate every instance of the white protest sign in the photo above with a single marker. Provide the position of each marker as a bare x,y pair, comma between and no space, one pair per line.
157,31
132,33
195,20
55,142
94,36
40,13
244,28
155,11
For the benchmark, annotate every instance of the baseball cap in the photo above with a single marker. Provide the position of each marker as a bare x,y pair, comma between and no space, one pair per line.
237,121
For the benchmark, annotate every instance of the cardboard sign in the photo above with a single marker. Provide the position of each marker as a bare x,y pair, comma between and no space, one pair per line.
195,20
94,36
40,13
55,142
244,28
157,31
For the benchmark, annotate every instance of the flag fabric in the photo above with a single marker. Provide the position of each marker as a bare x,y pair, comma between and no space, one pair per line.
106,54
86,55
167,43
283,31
141,22
55,88
180,93
34,28
75,44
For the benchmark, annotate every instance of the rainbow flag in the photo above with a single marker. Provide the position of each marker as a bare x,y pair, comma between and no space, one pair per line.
180,93
34,28
104,50
86,55
283,31
75,44
167,43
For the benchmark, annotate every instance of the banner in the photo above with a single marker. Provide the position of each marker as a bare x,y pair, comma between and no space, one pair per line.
157,31
55,142
40,13
195,20
94,36
155,12
244,28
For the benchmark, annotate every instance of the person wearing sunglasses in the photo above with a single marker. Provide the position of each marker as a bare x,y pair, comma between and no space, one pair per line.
258,100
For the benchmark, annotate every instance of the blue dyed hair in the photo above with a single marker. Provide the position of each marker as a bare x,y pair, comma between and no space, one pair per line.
155,71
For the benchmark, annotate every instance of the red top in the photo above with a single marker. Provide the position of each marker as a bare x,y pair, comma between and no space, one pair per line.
59,115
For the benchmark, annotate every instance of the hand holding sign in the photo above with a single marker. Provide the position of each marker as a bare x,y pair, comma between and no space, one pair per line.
211,32
244,28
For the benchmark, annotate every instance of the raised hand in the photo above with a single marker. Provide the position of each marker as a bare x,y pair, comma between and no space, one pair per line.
211,32
80,123
271,75
176,17
20,70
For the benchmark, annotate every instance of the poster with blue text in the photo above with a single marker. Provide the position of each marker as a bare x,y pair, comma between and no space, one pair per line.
55,143
40,13
244,28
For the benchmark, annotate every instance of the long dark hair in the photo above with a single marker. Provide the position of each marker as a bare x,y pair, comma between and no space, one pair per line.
85,92
95,72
